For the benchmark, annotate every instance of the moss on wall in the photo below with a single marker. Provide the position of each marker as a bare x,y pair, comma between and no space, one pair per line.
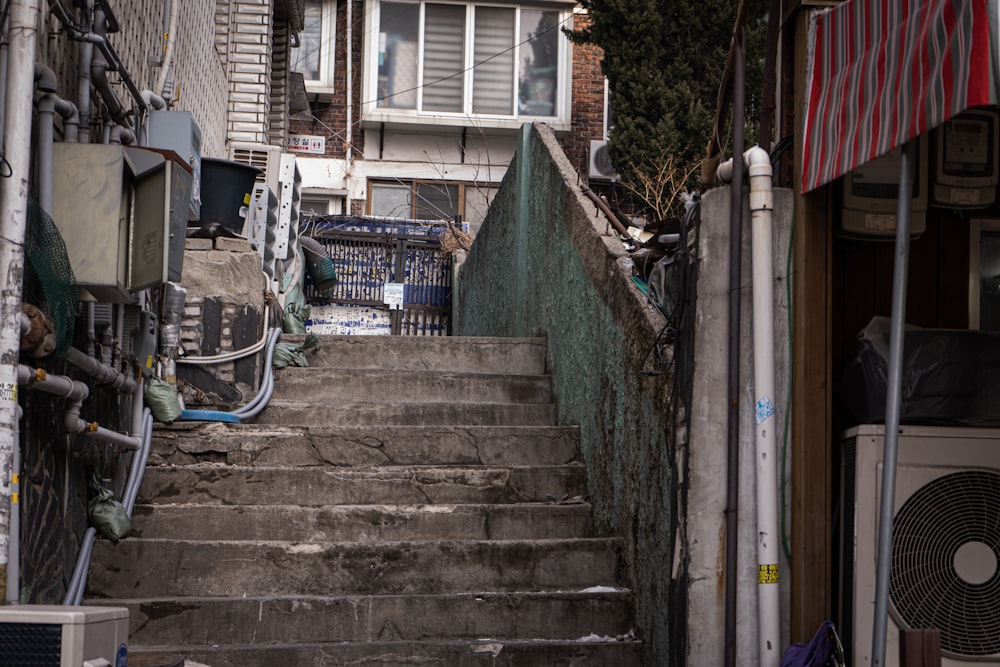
576,291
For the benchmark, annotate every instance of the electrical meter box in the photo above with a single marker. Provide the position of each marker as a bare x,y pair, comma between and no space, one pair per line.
871,196
176,131
965,171
180,188
112,207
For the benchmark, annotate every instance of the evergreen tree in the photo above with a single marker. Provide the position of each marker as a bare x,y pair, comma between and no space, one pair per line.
664,61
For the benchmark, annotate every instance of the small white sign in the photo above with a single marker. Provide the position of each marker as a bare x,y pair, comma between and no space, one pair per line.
393,295
306,143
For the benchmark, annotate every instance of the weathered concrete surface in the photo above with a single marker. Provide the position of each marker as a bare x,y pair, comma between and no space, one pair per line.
366,523
260,621
525,356
293,544
238,568
253,444
709,426
546,263
285,411
226,485
483,653
369,385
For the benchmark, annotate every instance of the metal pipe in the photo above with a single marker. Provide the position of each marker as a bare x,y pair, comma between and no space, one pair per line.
104,375
3,73
168,52
733,389
349,71
892,404
86,56
22,37
606,210
71,119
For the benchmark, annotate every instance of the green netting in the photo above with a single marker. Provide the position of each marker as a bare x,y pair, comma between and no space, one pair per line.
49,283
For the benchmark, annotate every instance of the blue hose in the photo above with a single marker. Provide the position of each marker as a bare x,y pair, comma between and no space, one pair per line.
209,416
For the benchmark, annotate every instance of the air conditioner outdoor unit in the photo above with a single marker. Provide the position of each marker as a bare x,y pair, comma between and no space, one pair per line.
54,636
266,158
944,570
601,168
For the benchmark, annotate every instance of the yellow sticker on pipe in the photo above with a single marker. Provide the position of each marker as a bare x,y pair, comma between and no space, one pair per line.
15,498
767,574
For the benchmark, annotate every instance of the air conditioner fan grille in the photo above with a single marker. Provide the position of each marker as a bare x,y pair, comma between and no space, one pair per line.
945,555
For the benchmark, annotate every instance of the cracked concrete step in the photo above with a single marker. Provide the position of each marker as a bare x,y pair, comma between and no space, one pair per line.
306,412
265,444
594,652
421,353
390,385
212,484
269,620
139,567
364,523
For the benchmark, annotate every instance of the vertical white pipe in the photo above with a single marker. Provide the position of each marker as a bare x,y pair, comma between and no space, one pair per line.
46,137
349,76
22,39
765,421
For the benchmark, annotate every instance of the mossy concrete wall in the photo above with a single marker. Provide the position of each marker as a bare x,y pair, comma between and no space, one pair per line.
546,264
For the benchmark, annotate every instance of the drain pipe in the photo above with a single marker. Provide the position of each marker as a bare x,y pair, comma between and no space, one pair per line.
22,37
86,56
349,131
168,51
105,375
758,163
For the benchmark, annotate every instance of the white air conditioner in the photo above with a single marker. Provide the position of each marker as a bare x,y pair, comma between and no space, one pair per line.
601,168
53,636
264,157
944,571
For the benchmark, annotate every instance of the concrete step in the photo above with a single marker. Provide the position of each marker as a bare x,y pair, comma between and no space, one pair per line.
370,618
140,568
588,652
265,444
410,485
305,412
423,353
391,386
364,523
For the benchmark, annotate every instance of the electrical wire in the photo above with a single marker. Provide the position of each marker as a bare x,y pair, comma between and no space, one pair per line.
788,398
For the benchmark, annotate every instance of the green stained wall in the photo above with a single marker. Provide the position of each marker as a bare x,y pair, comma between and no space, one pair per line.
544,264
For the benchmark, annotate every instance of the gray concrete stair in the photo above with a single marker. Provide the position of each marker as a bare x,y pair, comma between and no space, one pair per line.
403,500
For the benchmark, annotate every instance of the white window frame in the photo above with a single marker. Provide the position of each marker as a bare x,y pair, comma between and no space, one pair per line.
328,48
372,114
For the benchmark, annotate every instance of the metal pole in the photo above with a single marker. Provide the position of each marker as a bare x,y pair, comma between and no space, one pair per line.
733,433
892,403
22,38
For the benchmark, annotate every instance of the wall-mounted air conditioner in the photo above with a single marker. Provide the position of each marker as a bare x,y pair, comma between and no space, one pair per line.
944,570
601,168
264,157
112,205
56,636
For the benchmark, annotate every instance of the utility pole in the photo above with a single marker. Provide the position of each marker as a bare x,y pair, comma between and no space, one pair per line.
22,38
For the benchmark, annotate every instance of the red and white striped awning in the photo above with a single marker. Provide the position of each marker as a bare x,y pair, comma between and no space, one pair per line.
885,71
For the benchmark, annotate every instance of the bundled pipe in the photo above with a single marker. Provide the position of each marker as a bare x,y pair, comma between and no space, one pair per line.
761,210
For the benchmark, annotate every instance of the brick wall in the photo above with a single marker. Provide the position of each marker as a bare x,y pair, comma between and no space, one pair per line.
330,111
587,121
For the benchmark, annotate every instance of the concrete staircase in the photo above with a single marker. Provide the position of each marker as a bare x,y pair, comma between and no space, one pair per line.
401,501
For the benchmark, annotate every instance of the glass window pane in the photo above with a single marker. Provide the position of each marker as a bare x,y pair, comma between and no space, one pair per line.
493,61
390,200
444,60
436,201
539,62
306,58
397,55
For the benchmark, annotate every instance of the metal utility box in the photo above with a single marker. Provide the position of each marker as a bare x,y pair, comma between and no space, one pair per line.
176,131
112,207
55,636
180,187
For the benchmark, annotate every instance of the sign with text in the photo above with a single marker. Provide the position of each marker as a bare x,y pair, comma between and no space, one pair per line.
393,295
306,143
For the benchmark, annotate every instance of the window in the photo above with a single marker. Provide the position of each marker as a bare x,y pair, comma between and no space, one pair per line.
492,61
315,53
416,200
